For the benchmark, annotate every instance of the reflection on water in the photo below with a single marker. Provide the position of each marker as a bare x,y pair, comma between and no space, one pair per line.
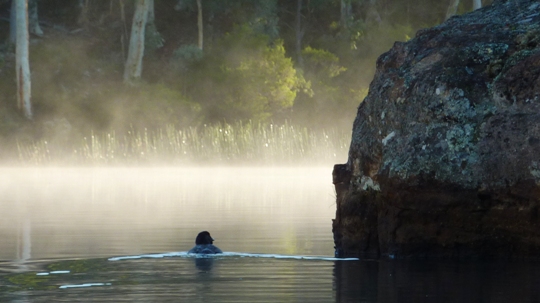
24,243
92,212
254,279
101,235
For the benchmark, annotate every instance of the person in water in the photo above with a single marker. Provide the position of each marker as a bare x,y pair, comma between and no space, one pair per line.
203,245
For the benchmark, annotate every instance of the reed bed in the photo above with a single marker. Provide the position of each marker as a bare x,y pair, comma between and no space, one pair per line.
241,143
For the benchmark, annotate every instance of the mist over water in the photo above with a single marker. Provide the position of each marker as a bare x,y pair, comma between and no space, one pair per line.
91,212
122,235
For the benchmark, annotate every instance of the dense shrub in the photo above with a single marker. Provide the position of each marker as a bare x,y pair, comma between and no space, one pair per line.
246,77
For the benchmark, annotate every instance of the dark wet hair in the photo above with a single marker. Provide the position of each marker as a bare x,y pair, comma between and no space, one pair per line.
203,238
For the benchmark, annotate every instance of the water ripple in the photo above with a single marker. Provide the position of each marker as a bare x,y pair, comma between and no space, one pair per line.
185,254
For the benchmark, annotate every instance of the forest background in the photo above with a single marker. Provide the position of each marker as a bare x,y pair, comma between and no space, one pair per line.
263,70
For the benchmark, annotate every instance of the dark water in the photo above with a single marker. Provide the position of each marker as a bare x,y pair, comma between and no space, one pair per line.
102,235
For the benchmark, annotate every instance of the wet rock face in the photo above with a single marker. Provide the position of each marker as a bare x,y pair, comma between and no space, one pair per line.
445,152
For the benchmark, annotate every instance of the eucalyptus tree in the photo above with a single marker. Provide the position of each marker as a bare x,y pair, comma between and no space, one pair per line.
22,63
182,4
33,20
300,31
133,67
200,23
261,15
346,13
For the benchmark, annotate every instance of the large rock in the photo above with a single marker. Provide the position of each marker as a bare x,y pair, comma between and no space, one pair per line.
445,153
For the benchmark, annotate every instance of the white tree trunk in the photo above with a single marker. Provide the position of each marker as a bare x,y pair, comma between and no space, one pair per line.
477,4
33,18
22,63
452,9
133,68
200,23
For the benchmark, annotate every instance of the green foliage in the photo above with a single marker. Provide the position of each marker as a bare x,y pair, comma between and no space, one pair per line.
322,105
189,53
268,84
260,15
266,18
354,32
245,72
186,56
153,40
70,84
357,31
321,63
255,80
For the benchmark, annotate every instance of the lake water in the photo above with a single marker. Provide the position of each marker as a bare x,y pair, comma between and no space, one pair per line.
121,235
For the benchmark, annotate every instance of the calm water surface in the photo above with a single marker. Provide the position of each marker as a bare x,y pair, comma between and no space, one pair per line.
62,230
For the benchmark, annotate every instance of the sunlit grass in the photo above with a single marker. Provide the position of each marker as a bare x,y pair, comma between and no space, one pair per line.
247,143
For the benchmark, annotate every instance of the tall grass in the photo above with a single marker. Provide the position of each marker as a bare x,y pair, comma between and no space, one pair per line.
241,143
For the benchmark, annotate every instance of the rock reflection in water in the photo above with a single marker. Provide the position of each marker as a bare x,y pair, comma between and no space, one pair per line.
436,281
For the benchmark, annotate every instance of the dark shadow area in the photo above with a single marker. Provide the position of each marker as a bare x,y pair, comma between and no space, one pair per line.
426,281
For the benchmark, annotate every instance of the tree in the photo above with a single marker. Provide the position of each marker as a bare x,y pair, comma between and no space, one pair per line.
33,18
33,21
133,67
250,78
477,4
452,9
200,23
182,4
13,22
346,13
22,63
265,18
299,33
152,38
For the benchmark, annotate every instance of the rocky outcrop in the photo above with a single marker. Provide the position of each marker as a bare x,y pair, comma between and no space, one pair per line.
445,152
